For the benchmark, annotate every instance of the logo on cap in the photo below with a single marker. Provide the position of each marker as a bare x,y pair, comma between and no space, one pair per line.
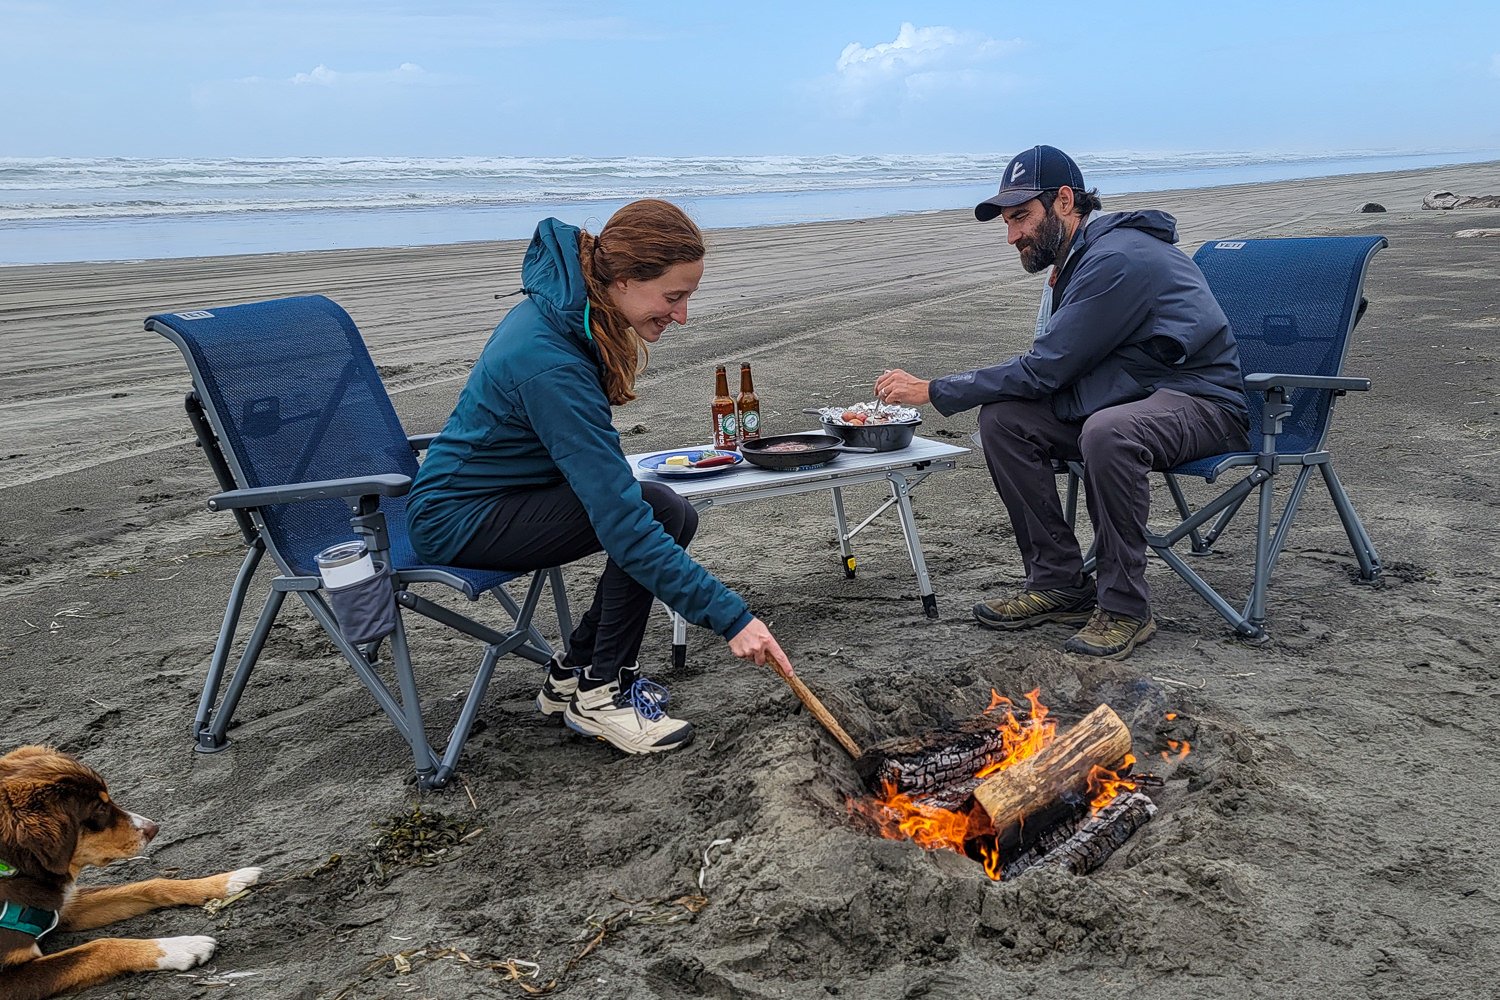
1016,171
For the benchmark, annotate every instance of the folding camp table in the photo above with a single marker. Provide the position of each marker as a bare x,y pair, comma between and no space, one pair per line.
902,470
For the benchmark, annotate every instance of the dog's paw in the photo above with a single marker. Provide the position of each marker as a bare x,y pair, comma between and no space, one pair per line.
184,952
241,878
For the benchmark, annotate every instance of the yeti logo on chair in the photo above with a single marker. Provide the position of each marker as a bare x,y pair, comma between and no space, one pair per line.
1230,245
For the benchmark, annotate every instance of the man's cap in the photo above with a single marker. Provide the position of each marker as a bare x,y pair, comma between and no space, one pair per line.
1027,175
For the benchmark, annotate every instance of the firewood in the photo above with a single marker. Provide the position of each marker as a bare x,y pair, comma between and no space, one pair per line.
1094,840
933,761
1056,774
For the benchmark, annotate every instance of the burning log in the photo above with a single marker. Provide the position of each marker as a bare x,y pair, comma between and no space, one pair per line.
1092,842
931,762
1056,776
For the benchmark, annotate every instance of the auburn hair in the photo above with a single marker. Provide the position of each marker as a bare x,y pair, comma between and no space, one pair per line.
638,243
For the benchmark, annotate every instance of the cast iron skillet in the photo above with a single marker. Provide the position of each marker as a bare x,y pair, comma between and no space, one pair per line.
821,449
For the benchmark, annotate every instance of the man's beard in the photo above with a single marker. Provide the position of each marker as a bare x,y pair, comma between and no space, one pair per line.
1041,251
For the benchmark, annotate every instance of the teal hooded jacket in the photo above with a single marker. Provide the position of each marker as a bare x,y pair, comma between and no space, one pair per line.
534,413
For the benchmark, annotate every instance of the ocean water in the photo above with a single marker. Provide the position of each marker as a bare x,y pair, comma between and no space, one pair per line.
73,209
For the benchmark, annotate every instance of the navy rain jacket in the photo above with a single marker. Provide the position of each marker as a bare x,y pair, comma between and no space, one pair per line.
1131,314
534,413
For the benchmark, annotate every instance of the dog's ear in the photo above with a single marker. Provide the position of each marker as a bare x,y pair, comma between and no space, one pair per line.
39,823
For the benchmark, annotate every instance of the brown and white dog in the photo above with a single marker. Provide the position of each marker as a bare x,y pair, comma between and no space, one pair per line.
56,818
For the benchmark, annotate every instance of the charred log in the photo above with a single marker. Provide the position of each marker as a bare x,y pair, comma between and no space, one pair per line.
1094,840
936,760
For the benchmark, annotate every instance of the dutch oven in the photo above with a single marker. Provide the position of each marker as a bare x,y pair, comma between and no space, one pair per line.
892,436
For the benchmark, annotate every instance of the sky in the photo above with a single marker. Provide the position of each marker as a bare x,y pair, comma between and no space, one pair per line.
745,77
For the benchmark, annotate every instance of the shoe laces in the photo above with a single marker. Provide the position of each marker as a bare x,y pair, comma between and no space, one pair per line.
648,698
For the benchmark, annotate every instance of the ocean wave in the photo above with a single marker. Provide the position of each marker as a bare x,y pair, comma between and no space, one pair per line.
34,189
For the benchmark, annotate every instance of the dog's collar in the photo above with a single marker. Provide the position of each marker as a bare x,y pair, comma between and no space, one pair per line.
6,871
27,919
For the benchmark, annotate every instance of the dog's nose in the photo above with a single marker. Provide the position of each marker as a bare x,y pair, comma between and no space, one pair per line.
148,829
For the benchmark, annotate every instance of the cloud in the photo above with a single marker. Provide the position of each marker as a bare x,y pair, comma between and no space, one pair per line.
921,64
321,76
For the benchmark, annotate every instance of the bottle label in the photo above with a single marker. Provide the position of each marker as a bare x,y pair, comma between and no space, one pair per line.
727,426
750,420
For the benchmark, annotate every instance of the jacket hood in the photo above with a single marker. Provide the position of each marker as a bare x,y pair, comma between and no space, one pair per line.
1158,224
552,276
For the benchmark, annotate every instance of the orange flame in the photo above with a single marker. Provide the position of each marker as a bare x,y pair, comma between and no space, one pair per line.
989,851
1178,747
1105,785
899,817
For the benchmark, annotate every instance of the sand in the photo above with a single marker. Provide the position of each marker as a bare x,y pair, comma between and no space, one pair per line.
1330,834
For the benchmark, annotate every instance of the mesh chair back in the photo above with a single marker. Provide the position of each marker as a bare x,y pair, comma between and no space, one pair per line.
1291,304
295,397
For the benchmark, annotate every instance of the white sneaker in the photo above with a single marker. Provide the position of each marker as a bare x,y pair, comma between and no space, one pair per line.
631,719
552,700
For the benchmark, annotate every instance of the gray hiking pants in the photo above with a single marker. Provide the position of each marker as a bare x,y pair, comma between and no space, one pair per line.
1119,446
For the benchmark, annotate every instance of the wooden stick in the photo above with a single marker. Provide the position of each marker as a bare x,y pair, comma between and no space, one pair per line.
819,712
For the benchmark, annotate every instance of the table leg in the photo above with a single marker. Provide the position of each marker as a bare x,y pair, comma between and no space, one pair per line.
900,491
679,640
845,549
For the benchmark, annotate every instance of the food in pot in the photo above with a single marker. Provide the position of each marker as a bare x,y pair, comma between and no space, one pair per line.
783,447
869,414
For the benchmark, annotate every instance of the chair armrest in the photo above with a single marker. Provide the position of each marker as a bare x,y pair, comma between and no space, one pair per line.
390,485
420,442
1261,381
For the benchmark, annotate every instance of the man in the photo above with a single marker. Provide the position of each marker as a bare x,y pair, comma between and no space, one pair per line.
1133,368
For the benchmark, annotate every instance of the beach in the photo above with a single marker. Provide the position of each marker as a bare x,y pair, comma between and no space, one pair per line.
1330,832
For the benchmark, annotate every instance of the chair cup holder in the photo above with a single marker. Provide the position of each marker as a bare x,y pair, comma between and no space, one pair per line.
366,610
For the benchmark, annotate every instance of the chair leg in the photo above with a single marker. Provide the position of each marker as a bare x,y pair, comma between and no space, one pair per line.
225,643
1199,547
536,648
560,605
367,675
1255,608
1070,496
1359,539
411,705
466,717
211,733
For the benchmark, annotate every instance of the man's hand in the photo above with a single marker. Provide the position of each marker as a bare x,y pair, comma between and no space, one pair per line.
897,386
755,642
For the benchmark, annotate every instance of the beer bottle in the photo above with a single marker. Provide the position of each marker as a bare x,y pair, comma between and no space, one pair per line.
748,405
723,412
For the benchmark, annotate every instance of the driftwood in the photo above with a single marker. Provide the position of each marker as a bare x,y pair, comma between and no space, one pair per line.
1058,774
1093,840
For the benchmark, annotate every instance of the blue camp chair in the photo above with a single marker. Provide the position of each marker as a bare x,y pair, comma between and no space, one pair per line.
1292,304
296,424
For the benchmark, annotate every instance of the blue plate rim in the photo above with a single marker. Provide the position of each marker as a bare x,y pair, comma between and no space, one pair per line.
651,463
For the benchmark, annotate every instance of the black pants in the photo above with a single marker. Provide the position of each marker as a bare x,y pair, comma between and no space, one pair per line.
1120,446
547,526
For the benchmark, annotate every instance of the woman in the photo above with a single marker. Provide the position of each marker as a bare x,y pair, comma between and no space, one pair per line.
529,473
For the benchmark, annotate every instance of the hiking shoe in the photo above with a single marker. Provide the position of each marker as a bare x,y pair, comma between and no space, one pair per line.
629,714
1068,605
558,688
1111,637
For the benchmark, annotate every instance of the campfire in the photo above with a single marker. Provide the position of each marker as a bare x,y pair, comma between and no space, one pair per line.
1010,792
